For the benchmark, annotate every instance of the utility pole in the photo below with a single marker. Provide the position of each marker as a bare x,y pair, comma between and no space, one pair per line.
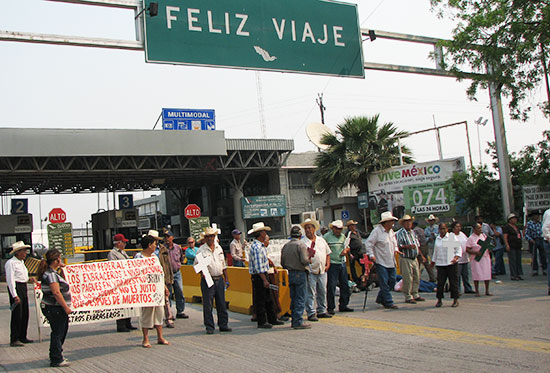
322,107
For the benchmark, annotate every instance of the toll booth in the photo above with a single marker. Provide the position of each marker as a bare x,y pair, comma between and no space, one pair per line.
108,223
14,228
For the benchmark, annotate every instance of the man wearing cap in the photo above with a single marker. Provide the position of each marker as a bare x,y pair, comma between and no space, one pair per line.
337,273
431,232
176,256
381,247
218,270
258,267
408,263
236,249
319,253
118,253
354,241
17,277
295,259
533,235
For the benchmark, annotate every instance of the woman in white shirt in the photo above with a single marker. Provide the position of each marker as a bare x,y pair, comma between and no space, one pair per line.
447,251
464,261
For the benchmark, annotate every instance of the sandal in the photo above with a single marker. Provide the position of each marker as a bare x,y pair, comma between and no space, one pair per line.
489,294
163,342
146,345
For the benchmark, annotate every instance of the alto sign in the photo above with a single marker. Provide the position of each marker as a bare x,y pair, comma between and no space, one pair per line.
57,215
192,211
308,36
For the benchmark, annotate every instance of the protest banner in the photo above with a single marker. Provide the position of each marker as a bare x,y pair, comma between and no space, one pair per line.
83,317
116,284
417,189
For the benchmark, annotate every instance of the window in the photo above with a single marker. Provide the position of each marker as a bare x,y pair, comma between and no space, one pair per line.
300,180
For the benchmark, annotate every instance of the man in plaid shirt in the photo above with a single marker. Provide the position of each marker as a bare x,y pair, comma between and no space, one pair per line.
533,235
408,264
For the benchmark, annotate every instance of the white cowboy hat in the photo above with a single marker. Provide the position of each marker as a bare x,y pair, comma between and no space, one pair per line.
511,215
336,224
153,233
309,221
386,216
258,227
19,245
351,222
405,218
432,217
210,231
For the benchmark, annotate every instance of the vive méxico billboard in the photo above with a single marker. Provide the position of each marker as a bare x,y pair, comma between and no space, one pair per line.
308,36
416,189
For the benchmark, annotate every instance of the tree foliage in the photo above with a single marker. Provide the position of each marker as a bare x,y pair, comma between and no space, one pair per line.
359,146
510,36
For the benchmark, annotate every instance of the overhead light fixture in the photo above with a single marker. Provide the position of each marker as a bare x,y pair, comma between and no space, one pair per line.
158,181
153,10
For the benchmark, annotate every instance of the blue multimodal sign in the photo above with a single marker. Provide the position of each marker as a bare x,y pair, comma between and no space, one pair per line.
188,119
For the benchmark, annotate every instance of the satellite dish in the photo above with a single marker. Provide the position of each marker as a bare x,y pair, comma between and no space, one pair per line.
315,132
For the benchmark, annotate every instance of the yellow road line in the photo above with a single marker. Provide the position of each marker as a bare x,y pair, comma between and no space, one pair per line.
442,334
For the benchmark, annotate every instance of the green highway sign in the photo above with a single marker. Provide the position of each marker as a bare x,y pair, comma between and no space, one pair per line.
60,237
263,206
307,36
197,225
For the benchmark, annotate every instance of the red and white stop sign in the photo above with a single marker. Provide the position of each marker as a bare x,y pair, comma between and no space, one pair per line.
192,211
57,215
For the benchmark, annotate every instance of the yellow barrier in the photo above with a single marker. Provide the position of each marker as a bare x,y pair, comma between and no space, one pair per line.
239,293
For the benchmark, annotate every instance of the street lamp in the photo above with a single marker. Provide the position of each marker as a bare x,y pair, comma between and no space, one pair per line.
480,122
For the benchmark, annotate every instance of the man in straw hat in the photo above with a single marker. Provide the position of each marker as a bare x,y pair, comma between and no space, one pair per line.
381,247
408,263
218,270
337,273
17,277
354,240
319,253
258,266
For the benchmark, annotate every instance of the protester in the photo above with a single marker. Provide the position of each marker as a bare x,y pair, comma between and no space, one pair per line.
218,270
319,253
295,259
464,261
118,253
236,248
481,269
55,305
258,267
176,256
164,258
546,236
421,237
533,235
431,232
408,263
337,273
190,251
154,315
354,241
17,277
485,228
446,263
512,242
498,251
381,247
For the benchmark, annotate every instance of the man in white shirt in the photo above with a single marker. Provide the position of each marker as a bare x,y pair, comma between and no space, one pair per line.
319,253
546,236
17,277
218,270
381,247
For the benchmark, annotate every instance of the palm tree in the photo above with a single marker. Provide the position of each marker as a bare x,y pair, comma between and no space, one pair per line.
359,146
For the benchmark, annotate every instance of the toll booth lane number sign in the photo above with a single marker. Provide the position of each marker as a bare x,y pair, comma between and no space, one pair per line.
307,36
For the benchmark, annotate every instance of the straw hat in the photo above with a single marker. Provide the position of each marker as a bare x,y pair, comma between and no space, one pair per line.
259,227
432,217
153,233
510,216
209,231
309,221
405,218
351,222
336,224
386,216
19,245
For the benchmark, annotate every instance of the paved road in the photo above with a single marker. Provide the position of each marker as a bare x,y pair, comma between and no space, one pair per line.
508,332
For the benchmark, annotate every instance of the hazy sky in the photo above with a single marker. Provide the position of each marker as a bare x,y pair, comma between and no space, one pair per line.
46,86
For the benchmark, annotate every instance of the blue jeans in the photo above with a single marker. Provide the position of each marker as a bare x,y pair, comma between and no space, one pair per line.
177,288
316,290
59,322
337,275
547,249
217,291
499,268
464,274
297,282
386,278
